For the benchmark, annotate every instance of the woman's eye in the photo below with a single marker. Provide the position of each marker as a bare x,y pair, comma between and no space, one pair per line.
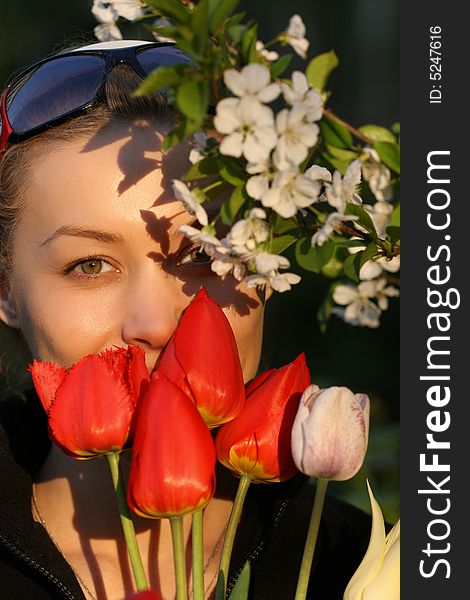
92,266
196,255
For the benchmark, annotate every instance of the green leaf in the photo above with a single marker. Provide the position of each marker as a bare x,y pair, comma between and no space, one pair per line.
241,589
280,65
203,168
335,133
281,243
394,234
332,268
282,225
175,11
313,258
395,218
319,69
231,207
192,98
376,133
342,154
162,77
184,129
364,218
200,25
336,163
220,10
353,264
248,44
231,170
389,154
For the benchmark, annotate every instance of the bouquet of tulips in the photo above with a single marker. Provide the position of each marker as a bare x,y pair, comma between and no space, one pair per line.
268,430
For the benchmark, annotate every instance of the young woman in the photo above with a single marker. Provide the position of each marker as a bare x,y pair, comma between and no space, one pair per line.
91,258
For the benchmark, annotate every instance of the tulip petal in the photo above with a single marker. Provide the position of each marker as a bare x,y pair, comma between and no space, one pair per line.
46,378
173,459
92,410
333,435
374,556
386,584
128,364
203,356
257,443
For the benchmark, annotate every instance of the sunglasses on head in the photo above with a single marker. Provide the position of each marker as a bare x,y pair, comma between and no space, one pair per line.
66,84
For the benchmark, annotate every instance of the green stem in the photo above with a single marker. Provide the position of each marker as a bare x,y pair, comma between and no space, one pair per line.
197,539
179,558
312,534
233,522
127,524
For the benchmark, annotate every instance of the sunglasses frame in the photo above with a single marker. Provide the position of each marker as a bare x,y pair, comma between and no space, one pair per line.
112,57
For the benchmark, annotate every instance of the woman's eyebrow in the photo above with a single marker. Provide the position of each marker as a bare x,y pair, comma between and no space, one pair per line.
75,231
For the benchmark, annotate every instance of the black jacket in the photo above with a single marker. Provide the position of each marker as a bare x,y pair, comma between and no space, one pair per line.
271,534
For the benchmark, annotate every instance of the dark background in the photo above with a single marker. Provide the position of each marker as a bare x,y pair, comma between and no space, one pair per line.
365,89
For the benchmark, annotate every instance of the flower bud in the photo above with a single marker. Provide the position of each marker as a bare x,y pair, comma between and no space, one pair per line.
330,432
378,575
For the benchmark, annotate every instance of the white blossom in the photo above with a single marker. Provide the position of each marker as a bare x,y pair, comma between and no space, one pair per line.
254,80
107,32
262,175
392,265
344,189
162,22
299,94
383,292
199,140
249,126
190,201
247,234
290,191
374,268
331,224
267,273
360,310
296,136
380,213
315,172
224,262
268,55
110,10
295,36
377,175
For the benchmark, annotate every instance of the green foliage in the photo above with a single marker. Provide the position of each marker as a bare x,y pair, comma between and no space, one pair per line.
377,133
313,258
389,153
231,207
319,69
241,589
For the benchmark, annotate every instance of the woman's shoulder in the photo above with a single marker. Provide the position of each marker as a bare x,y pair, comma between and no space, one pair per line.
23,430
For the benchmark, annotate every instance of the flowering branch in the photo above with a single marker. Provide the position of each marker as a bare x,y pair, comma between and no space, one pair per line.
293,177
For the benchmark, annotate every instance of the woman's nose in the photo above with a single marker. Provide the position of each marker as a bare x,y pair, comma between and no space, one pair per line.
151,313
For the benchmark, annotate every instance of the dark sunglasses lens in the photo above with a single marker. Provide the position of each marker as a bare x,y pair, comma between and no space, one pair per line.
151,58
53,90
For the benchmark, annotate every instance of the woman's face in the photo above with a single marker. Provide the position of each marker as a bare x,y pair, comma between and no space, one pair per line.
98,260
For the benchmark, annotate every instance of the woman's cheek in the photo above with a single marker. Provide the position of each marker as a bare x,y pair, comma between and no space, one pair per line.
248,330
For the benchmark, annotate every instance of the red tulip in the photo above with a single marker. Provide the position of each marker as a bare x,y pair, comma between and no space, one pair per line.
202,359
173,457
257,443
90,406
